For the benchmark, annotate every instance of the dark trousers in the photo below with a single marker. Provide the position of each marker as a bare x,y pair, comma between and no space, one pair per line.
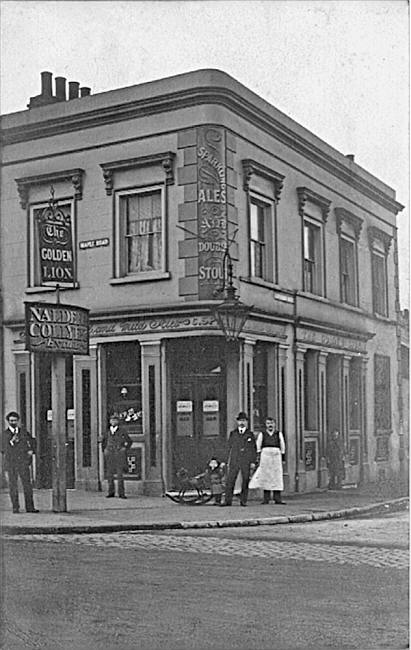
335,480
115,465
232,475
15,470
276,496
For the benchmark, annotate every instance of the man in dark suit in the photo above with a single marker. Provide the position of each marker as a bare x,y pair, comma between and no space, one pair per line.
115,442
242,454
18,447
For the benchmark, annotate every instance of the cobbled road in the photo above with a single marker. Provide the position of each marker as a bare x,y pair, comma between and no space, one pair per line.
315,552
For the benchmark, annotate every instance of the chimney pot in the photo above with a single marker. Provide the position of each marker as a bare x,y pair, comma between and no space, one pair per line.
84,91
46,84
73,89
61,89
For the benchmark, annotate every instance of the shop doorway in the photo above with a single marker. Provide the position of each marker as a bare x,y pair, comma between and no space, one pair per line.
199,396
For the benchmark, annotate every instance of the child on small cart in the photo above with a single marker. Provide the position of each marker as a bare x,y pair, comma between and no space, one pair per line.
215,473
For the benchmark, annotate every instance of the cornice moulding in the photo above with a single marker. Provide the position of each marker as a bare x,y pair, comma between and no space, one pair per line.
251,167
375,234
74,176
305,195
344,215
165,160
194,97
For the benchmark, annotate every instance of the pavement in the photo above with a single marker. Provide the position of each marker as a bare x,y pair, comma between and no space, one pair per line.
89,512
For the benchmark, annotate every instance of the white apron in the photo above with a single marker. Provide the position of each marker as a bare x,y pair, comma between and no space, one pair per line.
269,473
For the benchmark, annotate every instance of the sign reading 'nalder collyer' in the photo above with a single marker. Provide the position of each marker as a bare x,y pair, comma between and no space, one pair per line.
58,329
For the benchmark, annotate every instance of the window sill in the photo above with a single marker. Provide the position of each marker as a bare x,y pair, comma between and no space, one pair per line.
386,319
314,296
143,277
260,282
30,290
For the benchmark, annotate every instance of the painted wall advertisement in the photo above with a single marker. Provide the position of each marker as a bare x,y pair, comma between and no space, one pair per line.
212,210
55,328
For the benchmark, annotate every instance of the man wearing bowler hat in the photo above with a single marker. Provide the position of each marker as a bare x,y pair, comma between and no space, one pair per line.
18,448
242,453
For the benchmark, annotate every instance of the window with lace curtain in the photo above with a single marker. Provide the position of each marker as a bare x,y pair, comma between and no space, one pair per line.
141,232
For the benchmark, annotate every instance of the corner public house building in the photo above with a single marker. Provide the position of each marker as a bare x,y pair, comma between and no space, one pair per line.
150,185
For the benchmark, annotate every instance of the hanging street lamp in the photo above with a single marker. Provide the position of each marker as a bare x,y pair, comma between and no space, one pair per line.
231,314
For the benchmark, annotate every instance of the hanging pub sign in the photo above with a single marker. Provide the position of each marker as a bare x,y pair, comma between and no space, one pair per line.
55,243
55,328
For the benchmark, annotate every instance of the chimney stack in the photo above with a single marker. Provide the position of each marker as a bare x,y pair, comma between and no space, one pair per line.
46,84
73,89
350,156
61,89
46,96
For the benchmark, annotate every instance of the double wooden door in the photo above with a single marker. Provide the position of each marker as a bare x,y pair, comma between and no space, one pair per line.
199,418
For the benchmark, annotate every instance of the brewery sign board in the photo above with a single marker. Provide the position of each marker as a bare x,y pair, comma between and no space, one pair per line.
57,329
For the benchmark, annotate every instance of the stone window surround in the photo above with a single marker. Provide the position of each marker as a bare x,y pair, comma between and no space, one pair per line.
165,160
74,176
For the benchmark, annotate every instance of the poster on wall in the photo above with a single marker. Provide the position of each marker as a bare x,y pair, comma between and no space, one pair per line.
310,455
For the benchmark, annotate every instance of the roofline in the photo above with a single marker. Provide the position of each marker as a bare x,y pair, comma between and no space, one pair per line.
187,90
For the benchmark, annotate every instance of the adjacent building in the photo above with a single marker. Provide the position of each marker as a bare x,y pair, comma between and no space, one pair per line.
129,200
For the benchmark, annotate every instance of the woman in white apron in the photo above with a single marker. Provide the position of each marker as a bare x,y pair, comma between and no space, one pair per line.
269,474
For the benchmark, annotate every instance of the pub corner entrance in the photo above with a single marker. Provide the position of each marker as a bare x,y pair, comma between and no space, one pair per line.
197,376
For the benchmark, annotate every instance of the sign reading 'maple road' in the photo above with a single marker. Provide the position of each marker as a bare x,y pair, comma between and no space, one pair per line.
59,329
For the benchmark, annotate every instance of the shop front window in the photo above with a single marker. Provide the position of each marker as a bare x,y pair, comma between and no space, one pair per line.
382,393
260,386
355,392
311,390
124,395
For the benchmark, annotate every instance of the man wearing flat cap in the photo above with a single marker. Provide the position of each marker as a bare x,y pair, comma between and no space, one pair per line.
242,454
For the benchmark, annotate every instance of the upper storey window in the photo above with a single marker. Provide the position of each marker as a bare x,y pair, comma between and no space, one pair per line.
141,219
313,209
379,243
348,229
51,203
262,242
140,215
263,187
313,257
